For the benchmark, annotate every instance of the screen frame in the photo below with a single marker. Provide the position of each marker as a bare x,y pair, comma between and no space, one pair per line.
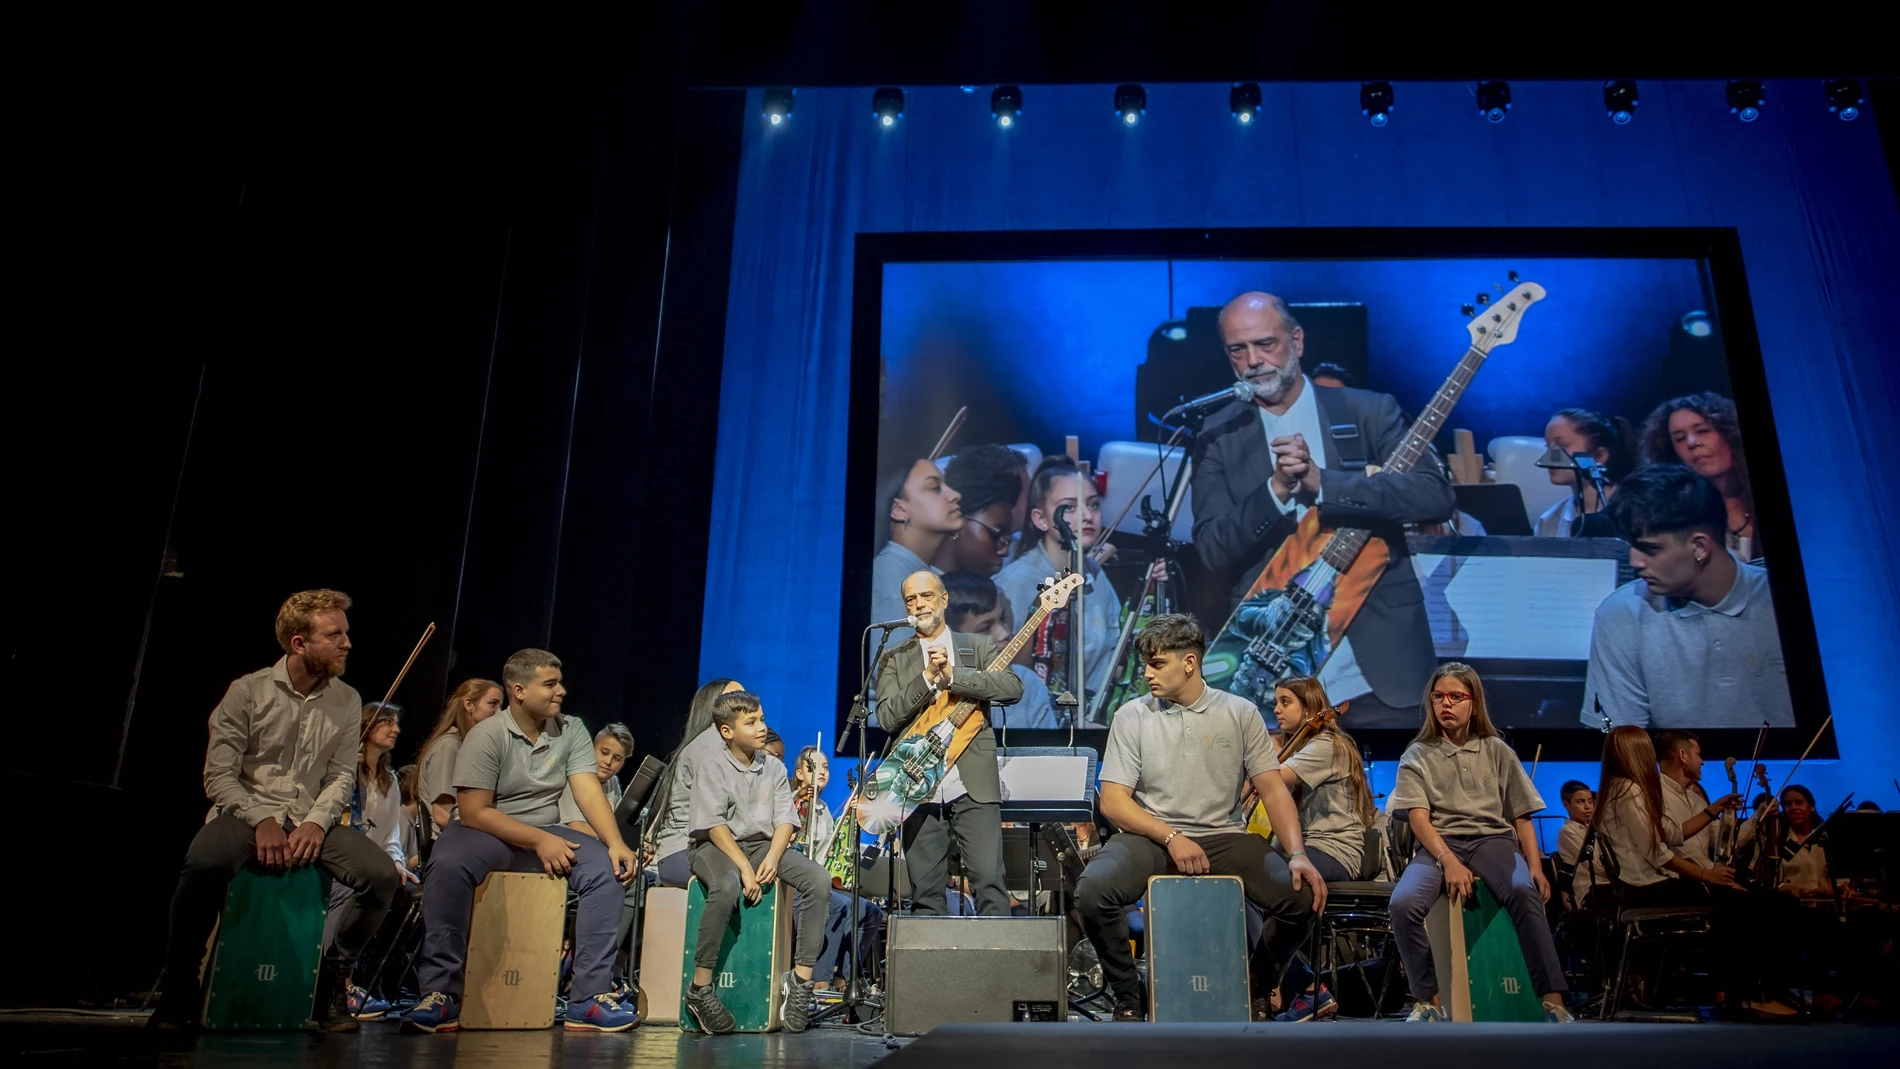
1718,248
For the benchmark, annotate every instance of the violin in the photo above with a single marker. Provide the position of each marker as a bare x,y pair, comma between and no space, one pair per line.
1728,832
1767,868
1257,819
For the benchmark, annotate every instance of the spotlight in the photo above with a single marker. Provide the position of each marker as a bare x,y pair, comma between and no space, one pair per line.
1375,102
1745,99
1843,98
777,107
1244,101
1696,324
1619,99
1006,105
888,105
1131,101
1494,99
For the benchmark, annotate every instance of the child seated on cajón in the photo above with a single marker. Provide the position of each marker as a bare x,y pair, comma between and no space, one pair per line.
1469,803
741,822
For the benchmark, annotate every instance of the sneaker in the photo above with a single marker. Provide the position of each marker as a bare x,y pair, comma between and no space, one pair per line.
1307,1006
1425,1013
795,1014
365,1006
602,1013
331,1011
708,1012
1128,1008
436,1012
1558,1015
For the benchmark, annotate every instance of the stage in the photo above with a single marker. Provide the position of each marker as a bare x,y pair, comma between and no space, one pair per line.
72,1038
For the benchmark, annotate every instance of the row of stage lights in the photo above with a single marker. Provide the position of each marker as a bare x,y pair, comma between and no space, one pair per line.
1745,101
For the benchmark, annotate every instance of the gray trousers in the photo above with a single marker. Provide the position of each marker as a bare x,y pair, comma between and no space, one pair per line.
1118,877
724,892
227,844
978,829
1498,862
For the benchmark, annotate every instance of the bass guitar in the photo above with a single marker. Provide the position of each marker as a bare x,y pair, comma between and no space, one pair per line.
1296,612
937,736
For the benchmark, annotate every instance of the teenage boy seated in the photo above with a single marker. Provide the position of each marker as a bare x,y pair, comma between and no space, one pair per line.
613,744
742,820
508,779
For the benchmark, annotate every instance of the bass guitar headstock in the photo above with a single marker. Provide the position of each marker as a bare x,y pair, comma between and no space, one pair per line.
1055,592
1495,322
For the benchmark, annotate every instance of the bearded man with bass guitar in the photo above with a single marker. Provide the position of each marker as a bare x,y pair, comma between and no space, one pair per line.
968,801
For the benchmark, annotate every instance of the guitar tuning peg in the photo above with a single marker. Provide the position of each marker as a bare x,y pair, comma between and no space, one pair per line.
1468,309
1512,275
1483,299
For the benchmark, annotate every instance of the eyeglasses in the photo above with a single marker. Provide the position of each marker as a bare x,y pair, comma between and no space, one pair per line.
997,534
1442,696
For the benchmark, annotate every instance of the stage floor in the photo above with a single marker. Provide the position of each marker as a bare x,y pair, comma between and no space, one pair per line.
53,1038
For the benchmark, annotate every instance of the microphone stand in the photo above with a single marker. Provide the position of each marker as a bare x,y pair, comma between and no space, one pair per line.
857,721
1070,700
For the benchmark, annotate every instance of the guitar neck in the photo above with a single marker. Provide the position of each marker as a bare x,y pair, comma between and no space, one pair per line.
1000,662
1344,546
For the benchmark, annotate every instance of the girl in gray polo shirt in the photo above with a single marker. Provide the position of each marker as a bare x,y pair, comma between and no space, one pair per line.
1468,801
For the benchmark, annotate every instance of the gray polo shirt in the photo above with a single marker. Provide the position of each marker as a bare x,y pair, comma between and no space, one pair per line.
527,777
1475,789
671,836
1187,764
436,777
1661,662
571,810
751,800
1329,819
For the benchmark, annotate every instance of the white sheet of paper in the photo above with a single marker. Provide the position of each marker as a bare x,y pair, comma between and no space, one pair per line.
1513,607
1044,777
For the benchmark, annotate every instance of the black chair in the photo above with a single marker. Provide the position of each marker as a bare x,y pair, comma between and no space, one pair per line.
1356,929
1663,925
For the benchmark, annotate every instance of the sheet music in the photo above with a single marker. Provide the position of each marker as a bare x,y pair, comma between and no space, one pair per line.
1528,608
1043,777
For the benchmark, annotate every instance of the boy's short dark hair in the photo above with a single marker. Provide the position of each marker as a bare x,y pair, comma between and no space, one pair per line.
1667,499
728,708
617,732
1570,787
1668,742
1170,632
522,663
970,595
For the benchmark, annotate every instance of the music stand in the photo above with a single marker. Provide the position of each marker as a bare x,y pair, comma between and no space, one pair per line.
634,798
1863,847
1498,506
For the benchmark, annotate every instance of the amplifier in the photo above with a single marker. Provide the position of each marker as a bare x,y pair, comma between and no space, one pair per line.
944,970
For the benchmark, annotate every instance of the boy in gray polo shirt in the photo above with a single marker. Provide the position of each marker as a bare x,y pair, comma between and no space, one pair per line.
509,777
1173,772
742,820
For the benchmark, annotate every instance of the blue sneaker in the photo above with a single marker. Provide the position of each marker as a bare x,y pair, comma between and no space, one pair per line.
1425,1013
1306,1006
602,1013
365,1006
1558,1015
436,1012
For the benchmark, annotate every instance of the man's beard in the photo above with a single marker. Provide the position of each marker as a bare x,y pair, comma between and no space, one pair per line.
928,621
1270,385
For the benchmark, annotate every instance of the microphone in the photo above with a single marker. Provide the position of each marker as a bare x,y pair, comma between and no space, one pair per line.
892,625
1239,391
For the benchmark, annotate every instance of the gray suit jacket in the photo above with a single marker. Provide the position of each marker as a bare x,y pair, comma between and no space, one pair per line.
902,694
1237,527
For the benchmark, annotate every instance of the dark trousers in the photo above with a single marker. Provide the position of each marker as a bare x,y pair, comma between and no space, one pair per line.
1755,938
675,869
838,932
724,891
1299,975
1118,877
227,844
1497,861
463,858
978,830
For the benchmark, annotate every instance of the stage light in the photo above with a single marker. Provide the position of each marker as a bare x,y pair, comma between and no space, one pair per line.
1006,105
1375,102
1244,101
1696,324
1619,99
1131,102
777,108
1494,99
888,105
1844,98
1745,99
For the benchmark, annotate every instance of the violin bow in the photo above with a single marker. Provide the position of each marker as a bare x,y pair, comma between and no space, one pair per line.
956,424
1804,753
427,633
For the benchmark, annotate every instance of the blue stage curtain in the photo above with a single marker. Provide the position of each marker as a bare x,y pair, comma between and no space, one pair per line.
1809,195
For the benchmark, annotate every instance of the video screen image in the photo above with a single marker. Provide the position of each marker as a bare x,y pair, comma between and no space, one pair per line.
1533,466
